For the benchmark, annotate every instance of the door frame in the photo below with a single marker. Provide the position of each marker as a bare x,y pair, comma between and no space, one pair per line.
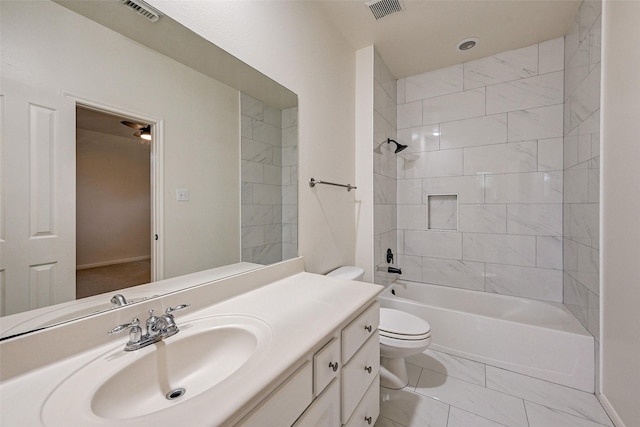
156,175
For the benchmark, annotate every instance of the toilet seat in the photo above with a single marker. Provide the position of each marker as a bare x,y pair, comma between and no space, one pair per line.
405,337
396,324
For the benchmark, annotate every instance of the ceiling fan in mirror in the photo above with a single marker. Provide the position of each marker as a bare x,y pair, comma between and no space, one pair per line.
142,131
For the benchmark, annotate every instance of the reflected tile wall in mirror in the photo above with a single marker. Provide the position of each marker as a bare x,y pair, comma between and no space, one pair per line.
269,153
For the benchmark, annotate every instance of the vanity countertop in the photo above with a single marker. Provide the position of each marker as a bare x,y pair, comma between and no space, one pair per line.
301,310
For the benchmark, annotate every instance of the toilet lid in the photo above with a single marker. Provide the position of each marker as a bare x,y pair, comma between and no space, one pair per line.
401,325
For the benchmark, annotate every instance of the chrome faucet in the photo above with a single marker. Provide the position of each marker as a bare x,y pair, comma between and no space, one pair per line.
118,300
157,329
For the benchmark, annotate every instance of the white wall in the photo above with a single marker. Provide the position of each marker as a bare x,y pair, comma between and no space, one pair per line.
364,161
47,46
292,43
113,199
620,184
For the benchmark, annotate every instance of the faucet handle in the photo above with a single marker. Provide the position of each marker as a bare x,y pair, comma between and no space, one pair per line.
170,310
135,335
124,327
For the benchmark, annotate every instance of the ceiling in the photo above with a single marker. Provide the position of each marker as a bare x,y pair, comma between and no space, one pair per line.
424,35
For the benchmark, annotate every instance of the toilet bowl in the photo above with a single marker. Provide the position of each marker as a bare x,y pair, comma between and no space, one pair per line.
401,335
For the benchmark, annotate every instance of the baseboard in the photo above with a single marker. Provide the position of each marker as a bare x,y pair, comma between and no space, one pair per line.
617,421
112,262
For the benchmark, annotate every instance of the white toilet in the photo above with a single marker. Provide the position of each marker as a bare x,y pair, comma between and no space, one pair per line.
401,335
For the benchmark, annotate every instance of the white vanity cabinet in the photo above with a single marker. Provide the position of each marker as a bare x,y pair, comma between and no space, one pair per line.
361,368
337,385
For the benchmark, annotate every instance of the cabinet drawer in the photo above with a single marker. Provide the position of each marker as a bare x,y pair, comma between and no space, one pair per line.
368,410
325,410
358,374
358,331
285,404
326,365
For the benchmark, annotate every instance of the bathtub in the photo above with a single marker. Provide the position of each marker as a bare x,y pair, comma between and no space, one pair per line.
536,338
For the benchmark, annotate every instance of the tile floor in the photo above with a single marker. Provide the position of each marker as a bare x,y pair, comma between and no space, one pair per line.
448,391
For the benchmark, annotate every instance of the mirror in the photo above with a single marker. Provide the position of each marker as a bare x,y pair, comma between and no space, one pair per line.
223,159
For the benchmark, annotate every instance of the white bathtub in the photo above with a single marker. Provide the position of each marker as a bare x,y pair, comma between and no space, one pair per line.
535,338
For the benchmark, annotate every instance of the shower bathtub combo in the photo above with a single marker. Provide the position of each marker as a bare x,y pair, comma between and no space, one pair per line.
536,338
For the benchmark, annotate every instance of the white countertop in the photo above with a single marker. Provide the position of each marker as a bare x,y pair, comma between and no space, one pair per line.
301,310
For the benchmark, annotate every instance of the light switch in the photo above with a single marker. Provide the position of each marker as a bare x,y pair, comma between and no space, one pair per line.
182,195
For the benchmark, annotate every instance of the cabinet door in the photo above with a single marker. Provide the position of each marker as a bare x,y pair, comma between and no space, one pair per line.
285,404
368,410
358,331
358,374
325,410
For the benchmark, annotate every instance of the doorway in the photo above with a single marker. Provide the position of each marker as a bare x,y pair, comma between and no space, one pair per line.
114,208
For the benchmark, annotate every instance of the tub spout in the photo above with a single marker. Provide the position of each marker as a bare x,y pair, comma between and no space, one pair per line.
394,270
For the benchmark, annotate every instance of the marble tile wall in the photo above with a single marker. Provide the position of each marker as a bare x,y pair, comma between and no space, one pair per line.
384,170
582,166
290,183
488,132
269,182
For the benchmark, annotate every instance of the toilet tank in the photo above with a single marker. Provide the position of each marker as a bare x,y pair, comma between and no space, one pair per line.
348,272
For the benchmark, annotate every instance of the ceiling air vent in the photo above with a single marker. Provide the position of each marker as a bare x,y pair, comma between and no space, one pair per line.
143,9
382,8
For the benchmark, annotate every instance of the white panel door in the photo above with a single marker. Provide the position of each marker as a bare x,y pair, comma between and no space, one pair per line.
37,265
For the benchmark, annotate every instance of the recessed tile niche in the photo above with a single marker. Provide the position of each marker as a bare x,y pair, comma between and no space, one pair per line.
442,211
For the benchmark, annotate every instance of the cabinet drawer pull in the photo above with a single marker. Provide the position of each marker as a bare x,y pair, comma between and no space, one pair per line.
368,369
368,420
368,328
334,366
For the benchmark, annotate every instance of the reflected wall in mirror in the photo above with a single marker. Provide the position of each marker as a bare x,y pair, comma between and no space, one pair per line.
57,56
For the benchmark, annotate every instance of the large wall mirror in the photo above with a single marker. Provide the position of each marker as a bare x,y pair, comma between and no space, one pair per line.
132,151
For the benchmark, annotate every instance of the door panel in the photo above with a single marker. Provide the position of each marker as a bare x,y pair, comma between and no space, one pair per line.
38,250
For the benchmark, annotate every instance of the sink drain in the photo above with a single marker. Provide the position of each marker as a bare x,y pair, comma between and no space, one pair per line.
175,394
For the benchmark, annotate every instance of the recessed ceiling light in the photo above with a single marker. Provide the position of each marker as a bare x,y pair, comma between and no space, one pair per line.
467,44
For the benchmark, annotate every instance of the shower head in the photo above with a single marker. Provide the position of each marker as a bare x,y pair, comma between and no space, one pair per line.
399,147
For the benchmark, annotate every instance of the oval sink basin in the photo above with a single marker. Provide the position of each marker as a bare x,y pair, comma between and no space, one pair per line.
124,385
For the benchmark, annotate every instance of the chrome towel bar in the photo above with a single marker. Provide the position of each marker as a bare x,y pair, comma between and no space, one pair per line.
313,182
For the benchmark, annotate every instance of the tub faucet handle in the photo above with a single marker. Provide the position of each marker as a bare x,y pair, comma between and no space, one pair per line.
394,270
389,256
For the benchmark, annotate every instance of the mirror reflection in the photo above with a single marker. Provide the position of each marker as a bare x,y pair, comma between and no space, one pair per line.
215,186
